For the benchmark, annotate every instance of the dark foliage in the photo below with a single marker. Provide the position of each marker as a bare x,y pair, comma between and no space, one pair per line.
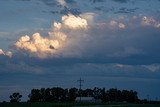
15,97
58,94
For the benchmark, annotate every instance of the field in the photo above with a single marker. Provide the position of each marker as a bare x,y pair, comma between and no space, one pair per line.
75,105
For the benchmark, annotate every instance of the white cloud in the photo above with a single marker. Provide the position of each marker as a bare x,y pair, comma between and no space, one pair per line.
5,53
150,21
37,44
120,65
86,35
62,2
152,67
89,16
74,22
44,47
115,24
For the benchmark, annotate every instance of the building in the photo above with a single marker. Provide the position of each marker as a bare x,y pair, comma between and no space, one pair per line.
86,99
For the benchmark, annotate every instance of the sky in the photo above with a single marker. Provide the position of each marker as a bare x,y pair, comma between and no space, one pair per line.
52,43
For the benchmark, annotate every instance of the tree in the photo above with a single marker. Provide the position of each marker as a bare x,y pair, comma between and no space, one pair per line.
113,94
35,95
119,96
98,93
87,93
42,94
48,96
58,94
129,96
72,94
15,97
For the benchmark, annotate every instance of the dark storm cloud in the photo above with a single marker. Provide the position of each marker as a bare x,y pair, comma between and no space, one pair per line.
77,67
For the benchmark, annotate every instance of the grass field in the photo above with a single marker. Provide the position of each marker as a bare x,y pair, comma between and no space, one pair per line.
75,105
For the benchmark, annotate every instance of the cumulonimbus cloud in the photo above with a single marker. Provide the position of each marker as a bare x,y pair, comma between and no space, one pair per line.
74,36
48,46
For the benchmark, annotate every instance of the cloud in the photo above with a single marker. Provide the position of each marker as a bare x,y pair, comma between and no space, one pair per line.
90,35
120,65
150,21
106,70
37,44
89,16
152,67
86,36
114,24
44,47
6,53
62,2
74,22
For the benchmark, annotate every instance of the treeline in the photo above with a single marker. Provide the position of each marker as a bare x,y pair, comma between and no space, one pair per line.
58,94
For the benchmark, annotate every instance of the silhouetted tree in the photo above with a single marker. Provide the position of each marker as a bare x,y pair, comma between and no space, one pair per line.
42,95
119,96
48,96
129,96
35,95
113,94
87,93
72,94
98,93
57,94
15,97
65,95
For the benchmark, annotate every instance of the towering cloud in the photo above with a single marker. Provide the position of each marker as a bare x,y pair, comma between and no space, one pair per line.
74,37
48,46
37,44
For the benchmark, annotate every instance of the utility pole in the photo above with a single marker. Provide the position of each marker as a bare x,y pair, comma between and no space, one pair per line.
80,86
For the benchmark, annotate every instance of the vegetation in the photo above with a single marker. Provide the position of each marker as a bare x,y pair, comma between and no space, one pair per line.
58,94
59,97
15,97
64,104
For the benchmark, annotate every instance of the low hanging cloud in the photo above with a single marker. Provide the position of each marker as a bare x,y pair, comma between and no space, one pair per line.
43,47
